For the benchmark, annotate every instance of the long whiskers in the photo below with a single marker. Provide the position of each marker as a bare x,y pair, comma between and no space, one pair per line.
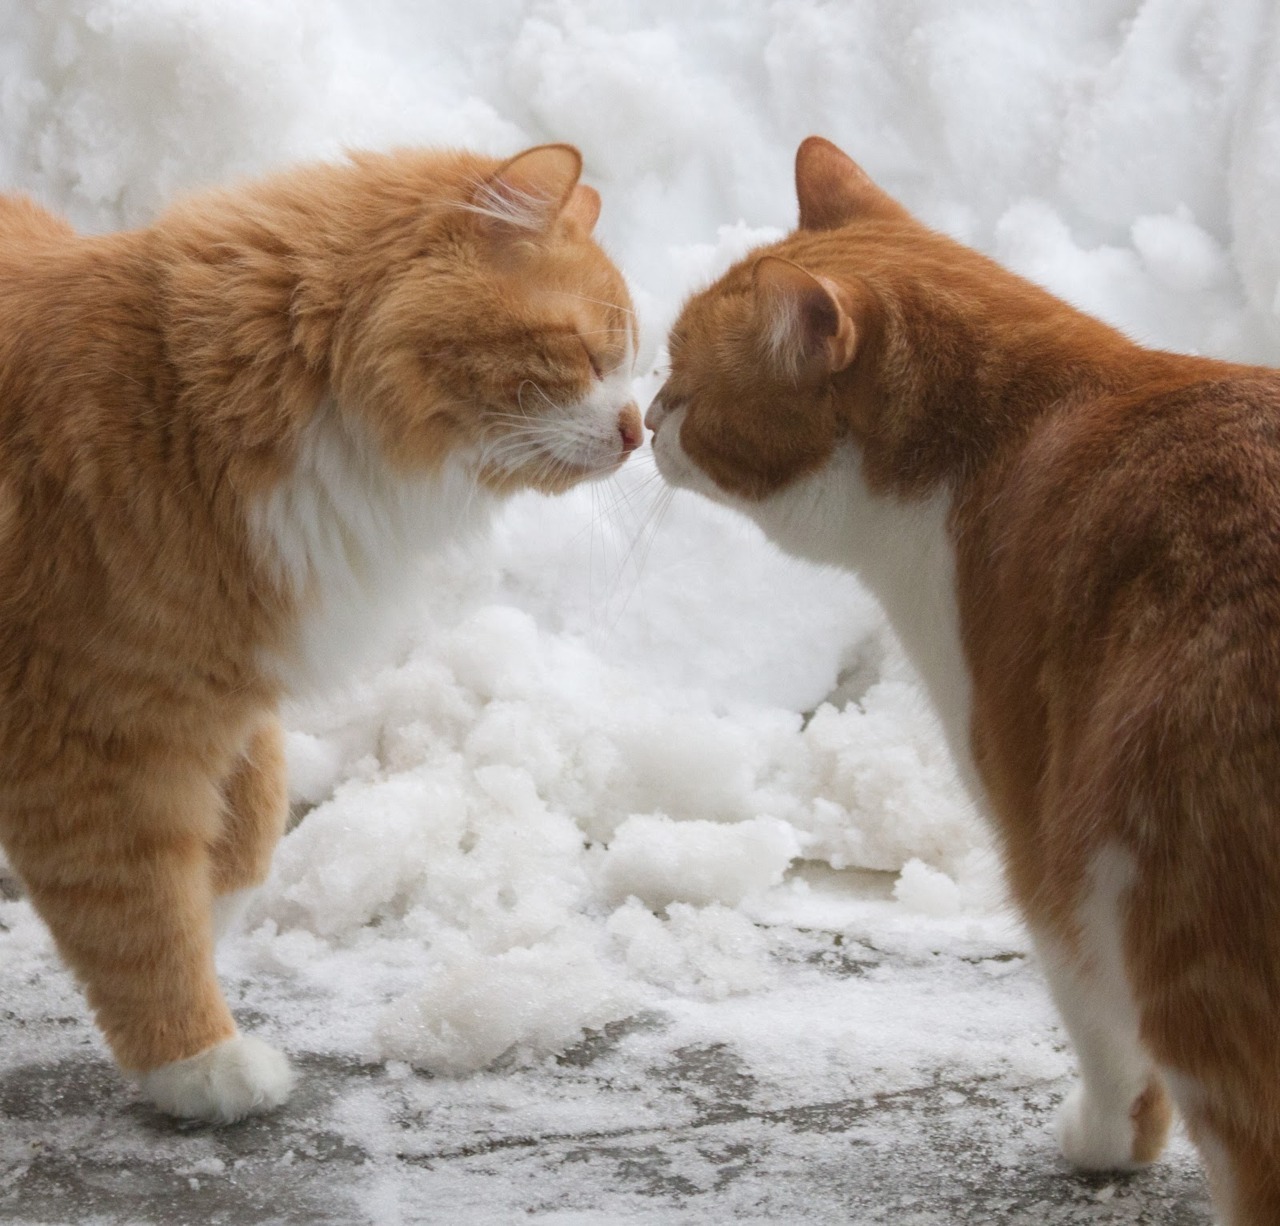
540,444
615,306
627,507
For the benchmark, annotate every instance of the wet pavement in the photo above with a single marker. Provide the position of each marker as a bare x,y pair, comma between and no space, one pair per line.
618,1129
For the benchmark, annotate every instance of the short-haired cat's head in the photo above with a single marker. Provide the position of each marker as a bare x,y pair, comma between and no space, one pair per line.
492,327
753,357
780,361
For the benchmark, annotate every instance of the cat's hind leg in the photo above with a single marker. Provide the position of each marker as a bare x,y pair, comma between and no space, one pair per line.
1211,1009
256,804
120,871
1118,1116
1238,1135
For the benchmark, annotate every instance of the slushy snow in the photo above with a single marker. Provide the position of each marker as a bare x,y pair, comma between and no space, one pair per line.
618,758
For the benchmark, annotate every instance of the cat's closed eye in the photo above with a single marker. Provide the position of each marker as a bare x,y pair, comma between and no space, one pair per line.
597,363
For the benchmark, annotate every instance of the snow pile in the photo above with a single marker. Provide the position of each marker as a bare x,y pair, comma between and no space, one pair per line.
533,819
595,773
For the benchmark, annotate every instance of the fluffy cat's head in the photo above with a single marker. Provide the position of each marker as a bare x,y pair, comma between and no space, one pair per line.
483,324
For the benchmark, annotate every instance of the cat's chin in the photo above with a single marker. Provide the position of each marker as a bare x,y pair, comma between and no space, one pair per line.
600,472
567,476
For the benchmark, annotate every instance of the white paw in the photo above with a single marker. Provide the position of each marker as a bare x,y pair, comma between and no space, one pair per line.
229,909
1094,1137
243,1076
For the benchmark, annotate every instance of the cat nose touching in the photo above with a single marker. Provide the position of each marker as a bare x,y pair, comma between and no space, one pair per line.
629,429
656,412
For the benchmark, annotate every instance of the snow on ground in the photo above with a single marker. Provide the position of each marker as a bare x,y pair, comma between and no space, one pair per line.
624,769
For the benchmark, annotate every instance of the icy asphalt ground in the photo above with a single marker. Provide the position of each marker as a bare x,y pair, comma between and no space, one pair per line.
633,1125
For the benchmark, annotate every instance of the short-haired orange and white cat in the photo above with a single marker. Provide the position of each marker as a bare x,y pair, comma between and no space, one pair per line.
221,437
1077,540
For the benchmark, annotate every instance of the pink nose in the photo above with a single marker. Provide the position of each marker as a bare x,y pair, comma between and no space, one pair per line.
629,429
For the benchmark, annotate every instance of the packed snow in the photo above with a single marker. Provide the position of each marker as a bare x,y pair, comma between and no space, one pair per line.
622,760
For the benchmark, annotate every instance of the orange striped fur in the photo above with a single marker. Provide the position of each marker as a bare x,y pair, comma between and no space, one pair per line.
218,433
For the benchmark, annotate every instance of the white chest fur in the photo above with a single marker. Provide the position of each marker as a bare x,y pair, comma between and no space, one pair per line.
904,554
344,531
901,550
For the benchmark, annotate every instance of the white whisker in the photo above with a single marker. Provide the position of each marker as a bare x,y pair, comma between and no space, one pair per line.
601,302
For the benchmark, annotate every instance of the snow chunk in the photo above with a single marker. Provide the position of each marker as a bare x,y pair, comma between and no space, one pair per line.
314,765
707,952
527,1001
661,861
927,890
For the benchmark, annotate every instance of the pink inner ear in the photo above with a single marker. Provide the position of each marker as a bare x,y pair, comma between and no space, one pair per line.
791,291
533,188
807,315
584,207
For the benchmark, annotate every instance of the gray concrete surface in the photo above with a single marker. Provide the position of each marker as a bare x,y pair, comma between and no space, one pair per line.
79,1147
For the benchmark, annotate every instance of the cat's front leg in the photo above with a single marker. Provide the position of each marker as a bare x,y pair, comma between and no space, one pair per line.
256,805
121,873
1118,1117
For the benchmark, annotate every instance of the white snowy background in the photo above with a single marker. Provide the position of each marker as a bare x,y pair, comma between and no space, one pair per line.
625,763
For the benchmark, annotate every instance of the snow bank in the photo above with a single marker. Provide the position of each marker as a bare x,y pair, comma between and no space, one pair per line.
536,808
593,766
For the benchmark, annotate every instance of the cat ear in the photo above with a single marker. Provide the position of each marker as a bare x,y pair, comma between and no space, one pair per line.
531,190
584,207
808,319
833,189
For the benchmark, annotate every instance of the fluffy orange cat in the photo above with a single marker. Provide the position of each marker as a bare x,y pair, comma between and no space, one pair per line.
1078,542
221,438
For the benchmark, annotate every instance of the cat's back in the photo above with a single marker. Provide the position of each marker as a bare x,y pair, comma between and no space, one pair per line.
33,241
76,315
79,360
25,225
1179,497
45,263
1128,559
1170,483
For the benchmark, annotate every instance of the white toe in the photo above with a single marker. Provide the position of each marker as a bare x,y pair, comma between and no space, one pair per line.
1095,1139
243,1076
